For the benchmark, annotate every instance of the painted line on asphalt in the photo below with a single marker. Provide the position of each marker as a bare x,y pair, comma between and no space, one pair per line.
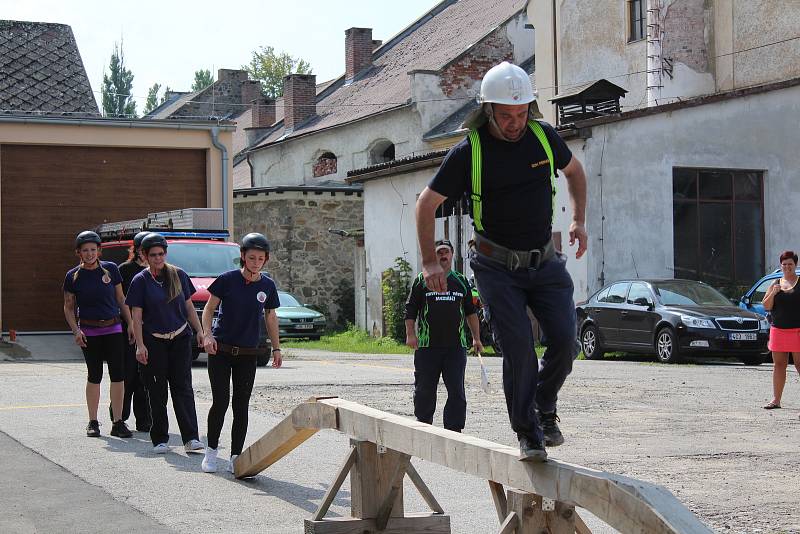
82,405
325,362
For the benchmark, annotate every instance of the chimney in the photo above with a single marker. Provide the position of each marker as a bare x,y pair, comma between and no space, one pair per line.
229,75
263,112
299,99
358,47
251,90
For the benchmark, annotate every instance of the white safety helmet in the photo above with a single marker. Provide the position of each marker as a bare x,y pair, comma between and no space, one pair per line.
506,83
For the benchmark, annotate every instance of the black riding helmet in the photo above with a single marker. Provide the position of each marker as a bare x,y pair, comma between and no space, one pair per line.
137,239
255,241
153,240
87,237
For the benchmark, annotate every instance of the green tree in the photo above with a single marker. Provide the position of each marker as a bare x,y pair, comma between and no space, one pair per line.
116,91
167,90
270,67
152,98
202,79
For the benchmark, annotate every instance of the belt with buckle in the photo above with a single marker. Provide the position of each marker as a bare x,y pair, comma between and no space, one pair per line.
236,351
513,259
170,335
100,322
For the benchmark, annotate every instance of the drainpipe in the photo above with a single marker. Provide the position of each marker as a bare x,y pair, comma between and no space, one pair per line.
215,141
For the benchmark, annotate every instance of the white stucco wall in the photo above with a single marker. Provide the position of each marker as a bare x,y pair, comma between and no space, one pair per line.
390,231
291,162
629,168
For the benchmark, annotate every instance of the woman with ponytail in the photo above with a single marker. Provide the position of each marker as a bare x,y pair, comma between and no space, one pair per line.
246,297
93,303
159,298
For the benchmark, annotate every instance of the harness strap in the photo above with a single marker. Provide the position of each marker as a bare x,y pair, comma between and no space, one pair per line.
477,169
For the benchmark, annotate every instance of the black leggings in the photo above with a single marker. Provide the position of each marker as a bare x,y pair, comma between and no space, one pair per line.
109,348
221,368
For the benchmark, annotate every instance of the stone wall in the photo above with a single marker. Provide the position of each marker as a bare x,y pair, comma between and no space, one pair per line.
307,260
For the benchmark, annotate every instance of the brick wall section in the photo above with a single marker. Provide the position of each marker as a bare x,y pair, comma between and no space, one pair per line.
263,112
229,94
299,98
306,259
684,34
251,90
358,47
460,76
324,167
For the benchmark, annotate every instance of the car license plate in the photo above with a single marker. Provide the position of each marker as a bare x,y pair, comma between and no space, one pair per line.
304,326
743,336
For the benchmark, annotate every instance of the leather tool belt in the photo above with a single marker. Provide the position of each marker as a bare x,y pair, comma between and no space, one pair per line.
236,351
513,259
170,335
100,322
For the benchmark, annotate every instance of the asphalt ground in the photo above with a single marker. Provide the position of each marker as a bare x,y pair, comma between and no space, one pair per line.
698,430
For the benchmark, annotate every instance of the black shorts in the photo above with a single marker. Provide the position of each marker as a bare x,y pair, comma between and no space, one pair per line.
109,348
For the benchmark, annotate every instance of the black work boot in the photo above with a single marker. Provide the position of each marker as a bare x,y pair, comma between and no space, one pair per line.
531,450
93,429
552,434
121,430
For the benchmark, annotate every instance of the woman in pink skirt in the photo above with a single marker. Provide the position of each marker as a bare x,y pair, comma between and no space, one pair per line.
783,300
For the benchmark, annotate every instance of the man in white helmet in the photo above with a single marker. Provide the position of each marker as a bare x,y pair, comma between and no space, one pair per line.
507,169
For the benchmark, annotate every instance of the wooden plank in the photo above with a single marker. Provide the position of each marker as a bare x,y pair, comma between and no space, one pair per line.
531,519
283,438
499,499
580,526
395,487
509,524
624,503
412,523
423,489
334,487
363,481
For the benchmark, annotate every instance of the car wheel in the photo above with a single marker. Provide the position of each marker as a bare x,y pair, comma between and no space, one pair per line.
590,343
752,360
666,345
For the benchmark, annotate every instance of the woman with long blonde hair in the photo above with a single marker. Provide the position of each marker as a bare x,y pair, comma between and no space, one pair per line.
93,302
159,298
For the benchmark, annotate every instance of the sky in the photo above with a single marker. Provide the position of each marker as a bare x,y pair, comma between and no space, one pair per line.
166,41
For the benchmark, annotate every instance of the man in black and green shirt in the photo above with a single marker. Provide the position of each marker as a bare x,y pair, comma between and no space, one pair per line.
441,345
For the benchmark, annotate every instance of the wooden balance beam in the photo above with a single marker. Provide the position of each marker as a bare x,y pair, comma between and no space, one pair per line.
382,445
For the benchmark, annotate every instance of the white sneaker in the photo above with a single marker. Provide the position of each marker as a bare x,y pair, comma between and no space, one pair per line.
233,459
161,448
194,446
209,464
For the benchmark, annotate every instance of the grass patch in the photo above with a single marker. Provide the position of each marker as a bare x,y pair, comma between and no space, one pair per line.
351,340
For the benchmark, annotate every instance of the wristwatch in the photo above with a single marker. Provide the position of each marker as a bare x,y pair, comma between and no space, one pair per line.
276,350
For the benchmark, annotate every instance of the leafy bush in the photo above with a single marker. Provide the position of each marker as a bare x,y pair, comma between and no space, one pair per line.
396,283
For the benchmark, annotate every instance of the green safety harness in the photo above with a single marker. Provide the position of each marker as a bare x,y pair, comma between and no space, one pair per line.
477,167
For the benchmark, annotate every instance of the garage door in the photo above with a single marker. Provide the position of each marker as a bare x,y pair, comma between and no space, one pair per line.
50,193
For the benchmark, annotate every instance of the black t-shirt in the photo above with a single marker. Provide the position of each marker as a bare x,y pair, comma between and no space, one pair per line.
442,316
515,185
786,309
128,270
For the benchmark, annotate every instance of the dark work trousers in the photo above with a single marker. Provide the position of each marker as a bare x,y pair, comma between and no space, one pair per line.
135,391
528,384
222,367
449,363
170,362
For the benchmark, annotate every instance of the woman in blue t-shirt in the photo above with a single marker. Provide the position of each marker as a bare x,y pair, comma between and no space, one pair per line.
159,298
93,301
246,296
